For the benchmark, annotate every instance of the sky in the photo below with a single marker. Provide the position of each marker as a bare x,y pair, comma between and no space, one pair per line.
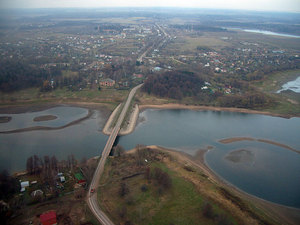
260,5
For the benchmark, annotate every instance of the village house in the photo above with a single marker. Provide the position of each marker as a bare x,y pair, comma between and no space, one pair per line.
48,218
107,82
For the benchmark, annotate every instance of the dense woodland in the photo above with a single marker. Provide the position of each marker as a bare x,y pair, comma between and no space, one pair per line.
175,84
16,75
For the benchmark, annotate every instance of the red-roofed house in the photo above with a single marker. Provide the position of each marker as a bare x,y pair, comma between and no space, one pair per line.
48,218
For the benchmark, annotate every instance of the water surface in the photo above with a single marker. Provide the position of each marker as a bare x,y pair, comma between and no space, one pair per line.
293,85
266,171
265,32
84,139
64,114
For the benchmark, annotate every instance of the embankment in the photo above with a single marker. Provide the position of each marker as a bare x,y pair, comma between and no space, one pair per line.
108,126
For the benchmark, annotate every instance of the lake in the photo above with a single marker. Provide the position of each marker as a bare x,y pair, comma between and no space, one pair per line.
265,32
265,170
293,85
84,139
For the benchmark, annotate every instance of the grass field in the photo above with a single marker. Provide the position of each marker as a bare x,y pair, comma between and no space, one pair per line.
287,102
145,201
109,96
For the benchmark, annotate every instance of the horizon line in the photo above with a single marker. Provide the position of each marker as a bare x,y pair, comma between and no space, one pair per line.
149,7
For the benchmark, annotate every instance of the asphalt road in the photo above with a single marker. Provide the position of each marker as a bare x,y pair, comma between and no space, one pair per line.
92,197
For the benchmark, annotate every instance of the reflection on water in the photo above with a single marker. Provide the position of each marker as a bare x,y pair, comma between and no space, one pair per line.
83,140
267,171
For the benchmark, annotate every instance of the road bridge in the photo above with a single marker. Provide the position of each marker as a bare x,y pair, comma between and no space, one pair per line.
92,193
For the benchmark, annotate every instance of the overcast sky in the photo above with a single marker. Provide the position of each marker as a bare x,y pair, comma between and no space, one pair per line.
265,5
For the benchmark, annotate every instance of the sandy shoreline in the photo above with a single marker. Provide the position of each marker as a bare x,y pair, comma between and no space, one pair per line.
90,113
36,108
24,108
134,115
284,213
212,108
5,119
237,139
107,129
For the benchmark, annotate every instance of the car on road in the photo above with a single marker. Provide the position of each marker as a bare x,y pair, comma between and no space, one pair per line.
92,190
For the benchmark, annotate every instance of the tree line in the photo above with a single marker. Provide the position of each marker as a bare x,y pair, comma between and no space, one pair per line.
174,84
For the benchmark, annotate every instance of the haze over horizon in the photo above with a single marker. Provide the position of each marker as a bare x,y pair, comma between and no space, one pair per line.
258,5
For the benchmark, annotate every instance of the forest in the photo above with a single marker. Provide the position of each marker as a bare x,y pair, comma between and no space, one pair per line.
175,84
180,84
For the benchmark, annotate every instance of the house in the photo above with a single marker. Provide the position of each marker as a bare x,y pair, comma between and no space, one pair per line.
79,178
107,82
24,184
62,179
137,75
48,218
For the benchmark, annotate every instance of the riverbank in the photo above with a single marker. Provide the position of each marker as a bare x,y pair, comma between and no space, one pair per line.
131,123
284,214
107,129
212,108
17,109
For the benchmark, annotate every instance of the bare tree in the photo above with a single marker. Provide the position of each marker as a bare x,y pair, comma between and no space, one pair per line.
29,165
123,189
54,165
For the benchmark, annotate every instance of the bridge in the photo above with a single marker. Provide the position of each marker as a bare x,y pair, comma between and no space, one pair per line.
92,192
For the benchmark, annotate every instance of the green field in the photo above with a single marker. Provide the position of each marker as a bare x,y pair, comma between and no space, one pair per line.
127,194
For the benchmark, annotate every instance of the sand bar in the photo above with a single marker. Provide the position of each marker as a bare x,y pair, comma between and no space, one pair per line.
237,139
5,119
44,118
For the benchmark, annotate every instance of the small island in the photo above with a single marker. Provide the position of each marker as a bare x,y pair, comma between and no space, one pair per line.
5,119
44,118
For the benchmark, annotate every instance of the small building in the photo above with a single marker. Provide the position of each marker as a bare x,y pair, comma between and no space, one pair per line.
62,179
107,82
48,218
79,178
24,184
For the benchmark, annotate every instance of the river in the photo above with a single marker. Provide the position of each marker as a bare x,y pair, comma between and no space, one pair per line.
265,32
84,139
265,170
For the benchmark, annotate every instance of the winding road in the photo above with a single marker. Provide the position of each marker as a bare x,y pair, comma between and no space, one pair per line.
92,197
